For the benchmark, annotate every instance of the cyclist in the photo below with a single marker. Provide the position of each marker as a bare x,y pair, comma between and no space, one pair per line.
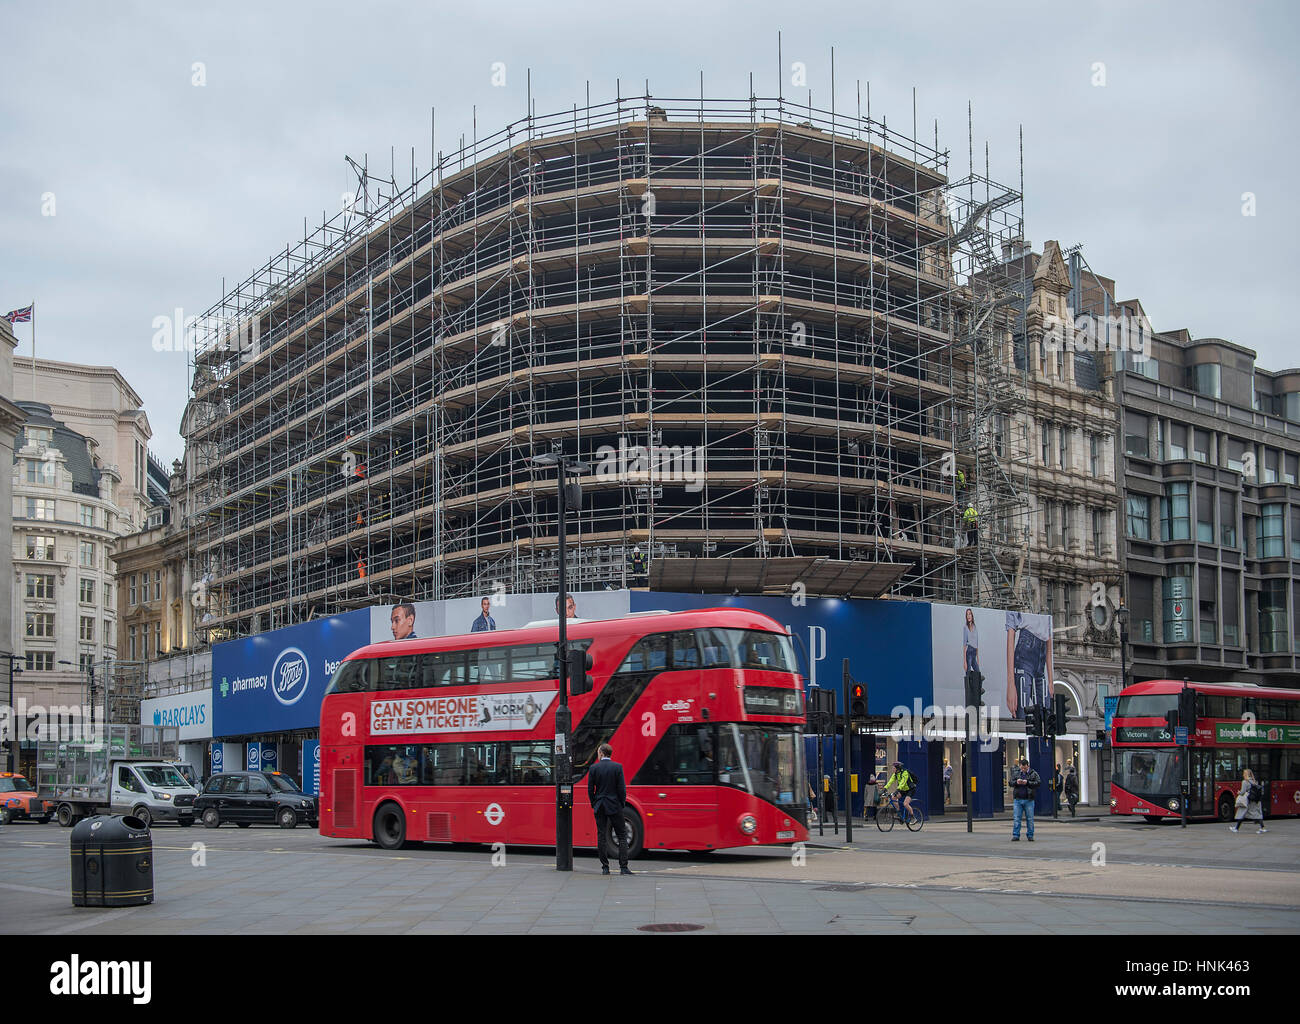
903,783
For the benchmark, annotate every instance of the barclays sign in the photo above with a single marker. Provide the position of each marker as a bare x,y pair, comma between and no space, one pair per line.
190,713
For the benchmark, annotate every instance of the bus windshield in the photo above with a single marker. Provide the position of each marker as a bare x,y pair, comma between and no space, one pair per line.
1152,705
766,760
1148,773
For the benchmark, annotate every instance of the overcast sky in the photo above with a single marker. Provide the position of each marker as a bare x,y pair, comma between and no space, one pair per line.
161,188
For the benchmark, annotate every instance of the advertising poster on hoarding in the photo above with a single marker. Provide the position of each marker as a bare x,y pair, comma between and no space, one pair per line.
487,613
991,658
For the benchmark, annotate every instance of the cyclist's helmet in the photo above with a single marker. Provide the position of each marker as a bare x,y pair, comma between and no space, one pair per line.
898,764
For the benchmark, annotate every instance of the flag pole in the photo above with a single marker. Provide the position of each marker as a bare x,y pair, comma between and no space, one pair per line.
33,350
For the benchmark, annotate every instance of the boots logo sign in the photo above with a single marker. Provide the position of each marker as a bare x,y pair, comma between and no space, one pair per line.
289,676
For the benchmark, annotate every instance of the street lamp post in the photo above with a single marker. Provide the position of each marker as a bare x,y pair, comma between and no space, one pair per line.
11,757
563,718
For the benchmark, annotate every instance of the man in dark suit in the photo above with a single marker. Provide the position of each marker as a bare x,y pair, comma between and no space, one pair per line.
608,793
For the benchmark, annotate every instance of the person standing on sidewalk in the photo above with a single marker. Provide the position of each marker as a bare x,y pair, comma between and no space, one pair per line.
607,791
1024,787
1250,803
947,781
1057,780
1071,786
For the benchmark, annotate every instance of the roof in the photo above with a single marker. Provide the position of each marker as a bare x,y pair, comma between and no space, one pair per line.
73,446
1160,686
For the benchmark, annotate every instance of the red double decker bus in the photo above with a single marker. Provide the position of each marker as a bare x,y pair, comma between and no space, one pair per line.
451,739
1238,726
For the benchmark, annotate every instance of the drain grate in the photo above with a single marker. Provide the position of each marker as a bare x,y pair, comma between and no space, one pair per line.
671,928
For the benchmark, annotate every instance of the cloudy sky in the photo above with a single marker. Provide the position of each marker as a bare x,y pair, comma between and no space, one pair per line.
128,191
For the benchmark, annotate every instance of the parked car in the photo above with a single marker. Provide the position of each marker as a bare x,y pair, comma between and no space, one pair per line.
254,798
18,800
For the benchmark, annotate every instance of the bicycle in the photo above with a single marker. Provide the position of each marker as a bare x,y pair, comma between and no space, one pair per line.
888,813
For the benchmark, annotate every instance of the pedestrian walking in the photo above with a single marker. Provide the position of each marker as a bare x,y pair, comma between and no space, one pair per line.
1057,780
607,791
1024,786
1071,785
947,781
1250,803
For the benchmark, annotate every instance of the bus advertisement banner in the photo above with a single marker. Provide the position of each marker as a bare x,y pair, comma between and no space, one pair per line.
477,712
1241,732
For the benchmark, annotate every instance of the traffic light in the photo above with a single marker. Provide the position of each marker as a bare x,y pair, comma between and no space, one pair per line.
1171,722
1060,714
1047,720
1187,709
580,664
1033,723
858,701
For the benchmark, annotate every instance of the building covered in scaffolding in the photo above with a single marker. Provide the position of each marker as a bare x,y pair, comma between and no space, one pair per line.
777,337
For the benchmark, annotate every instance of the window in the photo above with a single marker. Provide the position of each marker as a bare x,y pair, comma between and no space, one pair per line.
1065,526
1136,428
1065,447
40,547
157,584
87,515
40,586
683,757
131,642
40,471
108,595
1270,541
1236,455
85,662
1207,593
40,661
1204,380
1142,609
1047,444
1177,519
87,632
1159,453
87,591
1228,519
132,602
1094,456
1230,596
40,624
1290,463
1139,516
1177,441
1098,532
88,553
1178,606
1291,406
108,633
40,508
1201,445
1204,514
1144,366
1270,465
1272,617
1049,517
38,435
1295,531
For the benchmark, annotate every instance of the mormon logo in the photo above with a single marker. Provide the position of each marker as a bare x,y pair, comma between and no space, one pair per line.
102,978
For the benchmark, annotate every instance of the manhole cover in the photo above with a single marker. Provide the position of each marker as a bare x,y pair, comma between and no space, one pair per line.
839,888
671,928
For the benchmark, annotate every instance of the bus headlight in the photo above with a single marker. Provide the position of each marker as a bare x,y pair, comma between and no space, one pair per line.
749,824
1173,805
1114,802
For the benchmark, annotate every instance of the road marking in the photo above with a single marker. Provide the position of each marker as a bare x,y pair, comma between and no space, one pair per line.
33,888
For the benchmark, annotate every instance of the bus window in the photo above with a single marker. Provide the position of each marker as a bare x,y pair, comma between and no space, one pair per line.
649,654
481,764
1232,707
401,673
488,665
1212,707
686,654
714,648
682,757
352,676
443,764
765,650
530,764
532,662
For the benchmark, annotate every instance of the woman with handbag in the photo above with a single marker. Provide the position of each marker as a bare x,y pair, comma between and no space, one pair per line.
1250,803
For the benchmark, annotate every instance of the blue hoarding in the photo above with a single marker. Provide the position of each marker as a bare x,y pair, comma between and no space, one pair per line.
309,768
274,682
888,643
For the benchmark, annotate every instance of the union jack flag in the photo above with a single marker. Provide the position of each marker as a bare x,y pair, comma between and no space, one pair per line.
19,316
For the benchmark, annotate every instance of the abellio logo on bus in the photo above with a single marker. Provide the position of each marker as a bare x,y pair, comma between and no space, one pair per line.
289,676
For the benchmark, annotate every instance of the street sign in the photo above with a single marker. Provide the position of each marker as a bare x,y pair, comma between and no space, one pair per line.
1180,736
1096,744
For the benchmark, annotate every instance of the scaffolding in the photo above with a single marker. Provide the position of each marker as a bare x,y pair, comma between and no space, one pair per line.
789,320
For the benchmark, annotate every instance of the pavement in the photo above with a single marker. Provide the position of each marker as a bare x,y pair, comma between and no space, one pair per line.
1099,875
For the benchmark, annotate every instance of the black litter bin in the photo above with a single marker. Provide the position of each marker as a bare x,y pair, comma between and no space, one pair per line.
112,862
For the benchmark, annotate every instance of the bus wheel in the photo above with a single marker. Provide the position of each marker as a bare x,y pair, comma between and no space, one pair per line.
1226,807
635,834
390,827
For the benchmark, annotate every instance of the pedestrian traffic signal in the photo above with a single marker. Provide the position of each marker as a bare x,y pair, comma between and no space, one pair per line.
1060,714
1187,709
580,664
1047,720
858,701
